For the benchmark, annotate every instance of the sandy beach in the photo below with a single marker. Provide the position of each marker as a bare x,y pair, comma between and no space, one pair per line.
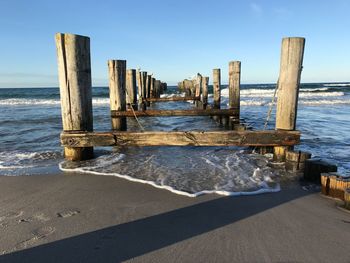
87,218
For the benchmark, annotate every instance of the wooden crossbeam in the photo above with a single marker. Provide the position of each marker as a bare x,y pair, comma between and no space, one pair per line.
176,98
181,138
190,112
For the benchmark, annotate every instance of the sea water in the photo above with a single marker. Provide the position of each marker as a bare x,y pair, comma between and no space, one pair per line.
30,124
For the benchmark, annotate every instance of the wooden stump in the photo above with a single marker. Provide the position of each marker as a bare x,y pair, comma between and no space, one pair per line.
117,94
288,88
314,168
334,185
74,71
295,160
347,198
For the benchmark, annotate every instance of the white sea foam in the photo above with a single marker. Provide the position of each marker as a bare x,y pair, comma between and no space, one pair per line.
25,102
23,159
323,102
268,93
265,188
234,166
337,84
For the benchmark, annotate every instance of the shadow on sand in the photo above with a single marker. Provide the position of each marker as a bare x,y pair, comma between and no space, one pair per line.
136,238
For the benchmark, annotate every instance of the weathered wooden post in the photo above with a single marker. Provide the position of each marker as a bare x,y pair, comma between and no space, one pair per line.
74,72
205,81
148,88
234,72
153,83
198,87
157,88
117,74
131,90
139,89
217,91
288,88
143,90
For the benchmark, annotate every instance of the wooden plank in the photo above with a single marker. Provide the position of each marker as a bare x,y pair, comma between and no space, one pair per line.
181,138
190,112
176,98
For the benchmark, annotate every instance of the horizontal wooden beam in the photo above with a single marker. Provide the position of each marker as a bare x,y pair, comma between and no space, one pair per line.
190,112
176,98
181,138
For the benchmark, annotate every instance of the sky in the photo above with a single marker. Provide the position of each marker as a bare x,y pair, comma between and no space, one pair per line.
175,39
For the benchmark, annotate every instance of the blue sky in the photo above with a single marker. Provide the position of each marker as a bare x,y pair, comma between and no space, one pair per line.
175,39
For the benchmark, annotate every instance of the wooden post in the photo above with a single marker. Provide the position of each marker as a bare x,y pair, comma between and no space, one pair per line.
151,88
205,81
148,88
74,71
216,91
117,74
288,88
143,85
131,90
143,90
139,89
157,88
234,71
198,88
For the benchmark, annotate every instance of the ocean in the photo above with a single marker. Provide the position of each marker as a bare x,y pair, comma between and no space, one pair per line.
30,124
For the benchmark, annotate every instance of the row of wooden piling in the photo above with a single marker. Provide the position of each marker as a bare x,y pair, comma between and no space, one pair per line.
336,186
198,88
292,52
130,90
78,138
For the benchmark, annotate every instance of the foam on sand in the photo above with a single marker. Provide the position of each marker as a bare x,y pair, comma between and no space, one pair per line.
237,173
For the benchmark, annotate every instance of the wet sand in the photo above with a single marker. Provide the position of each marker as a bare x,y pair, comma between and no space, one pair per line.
88,218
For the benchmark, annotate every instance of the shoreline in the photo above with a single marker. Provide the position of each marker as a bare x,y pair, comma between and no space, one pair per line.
90,218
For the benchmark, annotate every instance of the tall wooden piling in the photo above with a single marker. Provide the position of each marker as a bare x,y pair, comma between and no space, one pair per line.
139,89
143,84
234,83
131,89
216,91
117,74
157,88
153,84
205,81
198,88
288,88
74,71
143,89
148,88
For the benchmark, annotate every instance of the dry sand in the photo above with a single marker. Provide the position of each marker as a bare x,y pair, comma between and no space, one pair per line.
86,218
